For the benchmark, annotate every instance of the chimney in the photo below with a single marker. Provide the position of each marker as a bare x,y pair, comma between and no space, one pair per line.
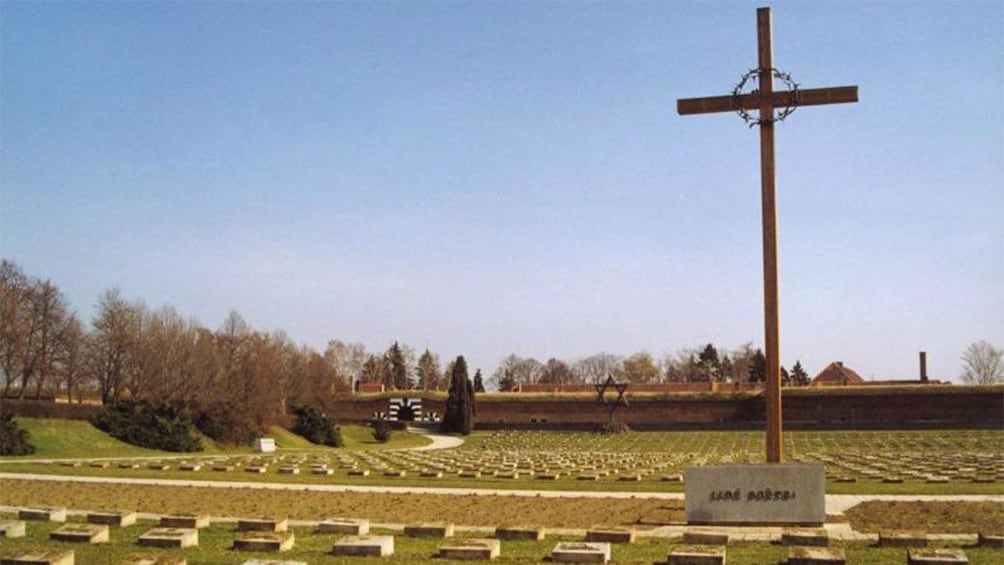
923,366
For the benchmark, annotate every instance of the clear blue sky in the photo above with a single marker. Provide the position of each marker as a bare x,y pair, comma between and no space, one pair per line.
487,178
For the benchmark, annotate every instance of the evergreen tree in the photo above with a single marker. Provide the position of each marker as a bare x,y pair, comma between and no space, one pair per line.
758,367
479,383
398,371
459,415
798,375
428,371
709,363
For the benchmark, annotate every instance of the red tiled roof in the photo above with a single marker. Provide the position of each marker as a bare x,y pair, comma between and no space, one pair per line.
835,374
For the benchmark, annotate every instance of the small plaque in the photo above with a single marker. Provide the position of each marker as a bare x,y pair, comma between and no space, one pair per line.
756,494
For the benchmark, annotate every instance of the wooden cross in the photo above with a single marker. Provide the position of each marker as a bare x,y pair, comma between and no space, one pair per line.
765,100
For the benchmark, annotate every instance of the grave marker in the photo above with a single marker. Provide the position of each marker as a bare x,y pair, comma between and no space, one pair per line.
816,556
580,552
119,518
344,526
38,557
471,549
45,514
697,555
143,559
377,546
170,537
81,533
262,524
12,529
945,556
434,530
511,533
265,541
185,521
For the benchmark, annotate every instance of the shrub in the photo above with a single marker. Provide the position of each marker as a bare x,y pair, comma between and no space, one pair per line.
614,427
227,422
14,439
155,426
382,431
315,427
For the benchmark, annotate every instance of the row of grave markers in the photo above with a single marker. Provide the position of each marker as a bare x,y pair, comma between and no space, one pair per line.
807,546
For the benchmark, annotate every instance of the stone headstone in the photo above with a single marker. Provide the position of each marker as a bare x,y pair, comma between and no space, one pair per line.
38,557
185,521
470,548
520,533
55,514
902,539
265,541
143,559
264,445
430,530
344,526
815,537
262,524
995,541
755,494
170,537
378,546
610,535
705,537
697,555
580,552
119,518
81,533
816,556
945,556
12,529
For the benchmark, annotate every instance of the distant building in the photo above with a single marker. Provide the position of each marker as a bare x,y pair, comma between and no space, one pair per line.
835,374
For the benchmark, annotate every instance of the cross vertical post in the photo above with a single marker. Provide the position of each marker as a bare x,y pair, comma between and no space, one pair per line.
765,101
769,214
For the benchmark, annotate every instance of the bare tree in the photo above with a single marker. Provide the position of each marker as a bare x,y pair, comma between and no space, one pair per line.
596,368
557,371
34,317
982,364
347,359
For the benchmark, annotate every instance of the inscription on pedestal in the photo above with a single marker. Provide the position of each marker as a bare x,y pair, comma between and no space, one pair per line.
756,494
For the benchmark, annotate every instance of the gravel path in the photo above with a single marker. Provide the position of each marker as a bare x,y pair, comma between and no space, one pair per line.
439,441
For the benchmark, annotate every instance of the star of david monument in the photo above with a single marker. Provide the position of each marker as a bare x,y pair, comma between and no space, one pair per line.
771,493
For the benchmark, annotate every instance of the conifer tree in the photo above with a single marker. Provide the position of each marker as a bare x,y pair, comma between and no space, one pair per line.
459,415
398,371
798,375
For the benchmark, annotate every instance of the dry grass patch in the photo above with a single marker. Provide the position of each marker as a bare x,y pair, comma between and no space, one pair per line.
949,517
475,510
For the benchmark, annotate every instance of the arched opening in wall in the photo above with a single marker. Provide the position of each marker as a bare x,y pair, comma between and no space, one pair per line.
406,413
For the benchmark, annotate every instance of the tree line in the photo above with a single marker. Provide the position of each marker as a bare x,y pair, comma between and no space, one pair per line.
694,365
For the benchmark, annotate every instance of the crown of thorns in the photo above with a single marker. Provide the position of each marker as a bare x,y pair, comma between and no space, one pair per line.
779,115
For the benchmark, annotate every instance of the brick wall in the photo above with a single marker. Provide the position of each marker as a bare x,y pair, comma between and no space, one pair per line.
849,408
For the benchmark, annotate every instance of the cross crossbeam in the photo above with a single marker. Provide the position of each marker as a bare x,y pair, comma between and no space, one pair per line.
764,101
808,97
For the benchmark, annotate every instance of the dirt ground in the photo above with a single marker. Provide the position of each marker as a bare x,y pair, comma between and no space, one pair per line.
939,517
393,508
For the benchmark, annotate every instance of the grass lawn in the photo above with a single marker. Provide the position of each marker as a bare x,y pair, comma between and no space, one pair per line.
971,460
68,439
